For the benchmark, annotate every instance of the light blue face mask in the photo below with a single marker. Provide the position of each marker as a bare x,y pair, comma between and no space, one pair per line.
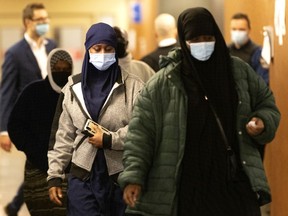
42,29
239,37
102,61
202,51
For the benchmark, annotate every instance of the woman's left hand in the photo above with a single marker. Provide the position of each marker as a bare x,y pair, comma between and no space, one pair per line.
97,139
255,126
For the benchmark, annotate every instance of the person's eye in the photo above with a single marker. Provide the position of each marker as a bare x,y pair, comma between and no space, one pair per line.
97,49
109,49
40,19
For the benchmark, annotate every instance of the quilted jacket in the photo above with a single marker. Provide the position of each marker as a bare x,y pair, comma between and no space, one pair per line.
155,141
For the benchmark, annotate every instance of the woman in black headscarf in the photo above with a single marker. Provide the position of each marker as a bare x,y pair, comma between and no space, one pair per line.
97,107
191,148
204,189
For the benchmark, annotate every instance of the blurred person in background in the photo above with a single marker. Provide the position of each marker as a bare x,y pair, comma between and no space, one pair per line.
33,138
24,62
126,61
243,47
166,35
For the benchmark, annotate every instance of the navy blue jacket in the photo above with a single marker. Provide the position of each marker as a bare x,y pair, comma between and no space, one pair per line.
20,68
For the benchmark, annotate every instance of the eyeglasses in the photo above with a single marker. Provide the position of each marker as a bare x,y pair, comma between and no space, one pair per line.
40,19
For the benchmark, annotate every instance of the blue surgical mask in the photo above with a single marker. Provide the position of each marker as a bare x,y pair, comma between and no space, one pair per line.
202,51
102,61
239,37
42,29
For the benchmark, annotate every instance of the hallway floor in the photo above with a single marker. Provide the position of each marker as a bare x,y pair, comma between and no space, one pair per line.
11,176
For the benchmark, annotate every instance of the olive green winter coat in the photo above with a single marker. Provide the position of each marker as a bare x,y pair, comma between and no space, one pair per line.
155,142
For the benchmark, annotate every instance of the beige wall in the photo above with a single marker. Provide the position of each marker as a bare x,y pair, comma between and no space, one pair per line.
176,7
144,35
81,14
76,13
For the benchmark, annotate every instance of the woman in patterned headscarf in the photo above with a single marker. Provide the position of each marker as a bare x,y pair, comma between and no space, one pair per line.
29,128
97,107
176,158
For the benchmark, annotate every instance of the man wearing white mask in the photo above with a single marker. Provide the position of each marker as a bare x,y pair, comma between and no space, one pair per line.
24,62
243,47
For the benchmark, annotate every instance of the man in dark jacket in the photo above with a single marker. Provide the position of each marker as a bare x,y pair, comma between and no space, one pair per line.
166,34
243,47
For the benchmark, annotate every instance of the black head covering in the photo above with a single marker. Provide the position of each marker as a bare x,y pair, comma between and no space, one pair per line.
96,84
214,76
122,42
199,21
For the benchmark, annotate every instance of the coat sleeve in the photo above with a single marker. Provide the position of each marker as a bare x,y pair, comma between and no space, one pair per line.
263,106
139,144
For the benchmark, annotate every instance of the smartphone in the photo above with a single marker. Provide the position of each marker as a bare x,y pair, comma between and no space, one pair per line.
88,128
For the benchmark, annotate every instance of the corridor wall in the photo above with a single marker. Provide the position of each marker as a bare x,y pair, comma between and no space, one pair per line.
261,13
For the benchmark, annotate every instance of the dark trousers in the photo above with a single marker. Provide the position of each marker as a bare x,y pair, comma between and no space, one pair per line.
18,200
97,196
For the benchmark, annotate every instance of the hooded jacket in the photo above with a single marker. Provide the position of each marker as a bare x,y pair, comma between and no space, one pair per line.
31,118
72,145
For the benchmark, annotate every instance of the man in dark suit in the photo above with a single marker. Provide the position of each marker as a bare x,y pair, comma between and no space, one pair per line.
24,62
166,34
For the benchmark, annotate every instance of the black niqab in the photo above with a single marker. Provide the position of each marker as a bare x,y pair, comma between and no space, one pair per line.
214,76
204,189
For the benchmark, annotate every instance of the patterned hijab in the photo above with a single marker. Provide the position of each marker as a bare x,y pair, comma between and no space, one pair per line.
54,56
96,84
